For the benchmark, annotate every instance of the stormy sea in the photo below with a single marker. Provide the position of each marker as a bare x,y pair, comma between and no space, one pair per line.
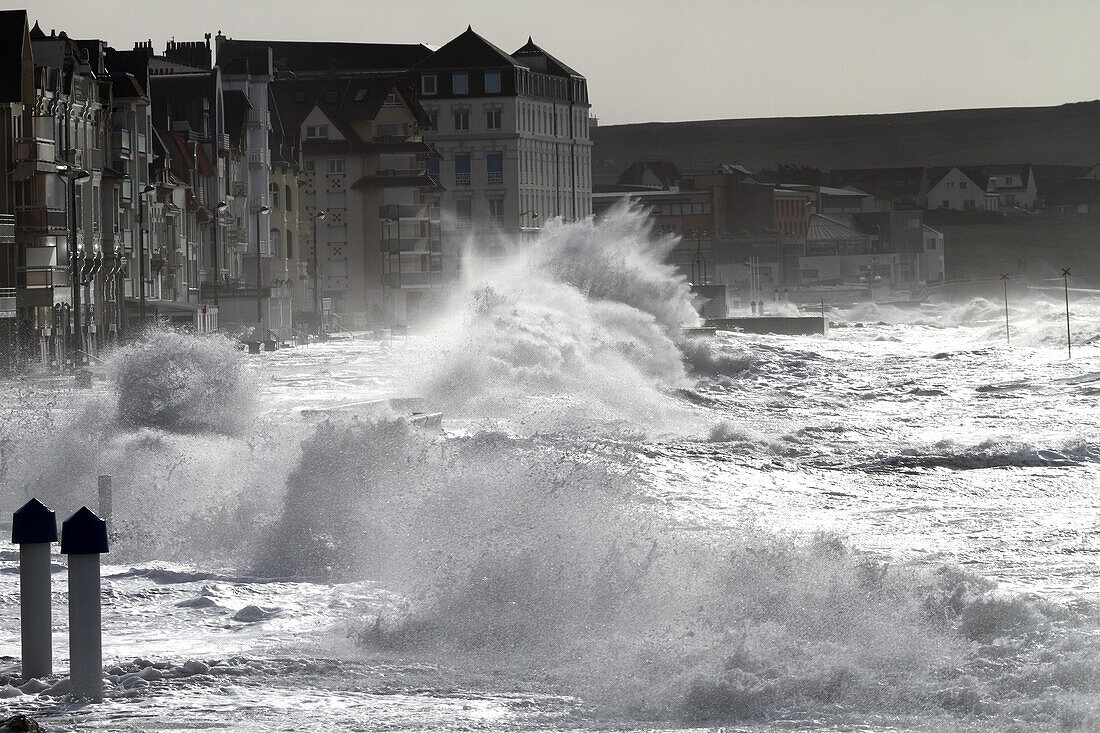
615,527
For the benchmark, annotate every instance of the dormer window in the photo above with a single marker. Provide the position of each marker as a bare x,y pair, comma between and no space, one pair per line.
391,100
427,84
316,131
492,82
360,95
460,82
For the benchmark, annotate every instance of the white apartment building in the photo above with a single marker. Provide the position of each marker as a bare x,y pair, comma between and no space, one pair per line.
512,131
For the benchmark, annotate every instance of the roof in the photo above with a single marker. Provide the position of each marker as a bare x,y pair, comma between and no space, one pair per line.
358,99
665,171
469,50
538,60
977,176
883,182
306,56
125,86
824,228
13,34
1074,191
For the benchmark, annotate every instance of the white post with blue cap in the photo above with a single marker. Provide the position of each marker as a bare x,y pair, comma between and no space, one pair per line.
34,529
84,539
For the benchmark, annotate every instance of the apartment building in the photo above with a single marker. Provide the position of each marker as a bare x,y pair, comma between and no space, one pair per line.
512,131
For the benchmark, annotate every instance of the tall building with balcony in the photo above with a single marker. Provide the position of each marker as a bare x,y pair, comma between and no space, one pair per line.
348,111
56,127
512,131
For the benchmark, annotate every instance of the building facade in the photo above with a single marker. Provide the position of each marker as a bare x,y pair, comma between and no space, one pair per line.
512,131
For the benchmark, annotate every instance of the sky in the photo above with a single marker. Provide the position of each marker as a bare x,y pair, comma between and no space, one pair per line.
649,61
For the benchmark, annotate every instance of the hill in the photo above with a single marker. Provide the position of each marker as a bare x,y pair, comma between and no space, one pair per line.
1066,135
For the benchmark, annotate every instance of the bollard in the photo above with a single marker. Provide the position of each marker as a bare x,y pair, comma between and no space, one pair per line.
84,539
33,528
105,508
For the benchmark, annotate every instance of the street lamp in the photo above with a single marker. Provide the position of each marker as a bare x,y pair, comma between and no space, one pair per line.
149,188
218,211
72,176
534,214
317,279
259,274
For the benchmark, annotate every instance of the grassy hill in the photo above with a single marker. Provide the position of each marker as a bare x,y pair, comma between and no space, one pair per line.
1067,135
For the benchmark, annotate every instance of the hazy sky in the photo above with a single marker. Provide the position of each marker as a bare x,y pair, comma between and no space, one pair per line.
693,59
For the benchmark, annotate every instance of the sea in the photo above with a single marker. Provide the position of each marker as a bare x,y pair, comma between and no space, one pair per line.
614,526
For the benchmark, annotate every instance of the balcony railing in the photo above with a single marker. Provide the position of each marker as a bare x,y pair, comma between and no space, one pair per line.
29,149
496,221
411,279
257,158
42,218
496,176
402,172
257,117
240,188
462,179
404,211
411,245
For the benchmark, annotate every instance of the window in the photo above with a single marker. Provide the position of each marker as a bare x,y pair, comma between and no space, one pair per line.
433,120
462,120
427,84
494,166
930,244
392,100
359,95
946,204
141,143
127,189
289,244
492,82
492,118
433,167
336,165
913,223
309,165
392,129
1009,180
460,82
314,131
274,189
496,212
962,185
462,170
274,240
463,212
289,200
969,204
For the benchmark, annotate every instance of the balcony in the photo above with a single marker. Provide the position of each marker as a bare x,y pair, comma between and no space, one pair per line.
410,245
35,149
496,221
7,302
121,143
496,176
417,279
240,188
41,218
257,158
405,211
462,179
258,117
256,201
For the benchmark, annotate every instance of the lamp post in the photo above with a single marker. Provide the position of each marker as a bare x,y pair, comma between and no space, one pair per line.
259,275
317,279
218,211
141,250
73,176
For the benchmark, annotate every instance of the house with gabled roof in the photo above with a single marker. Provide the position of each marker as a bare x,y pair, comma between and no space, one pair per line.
961,189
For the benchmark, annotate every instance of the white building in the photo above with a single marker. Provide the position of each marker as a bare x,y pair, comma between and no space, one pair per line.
512,131
962,189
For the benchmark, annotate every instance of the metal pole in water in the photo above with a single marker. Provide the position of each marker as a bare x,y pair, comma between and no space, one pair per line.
1069,342
83,539
1008,338
34,528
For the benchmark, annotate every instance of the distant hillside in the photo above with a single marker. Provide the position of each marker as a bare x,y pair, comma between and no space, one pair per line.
1065,135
